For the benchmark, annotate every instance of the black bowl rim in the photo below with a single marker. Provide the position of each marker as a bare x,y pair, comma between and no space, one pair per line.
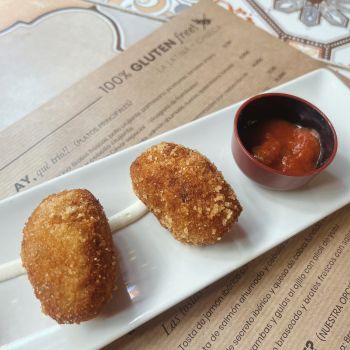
293,97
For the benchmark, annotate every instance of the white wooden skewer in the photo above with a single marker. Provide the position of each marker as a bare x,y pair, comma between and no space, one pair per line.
134,212
127,216
11,269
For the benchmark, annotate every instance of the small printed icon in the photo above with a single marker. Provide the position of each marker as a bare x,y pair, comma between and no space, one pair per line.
204,21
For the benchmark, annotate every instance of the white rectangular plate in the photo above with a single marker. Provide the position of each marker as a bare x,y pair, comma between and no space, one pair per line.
159,271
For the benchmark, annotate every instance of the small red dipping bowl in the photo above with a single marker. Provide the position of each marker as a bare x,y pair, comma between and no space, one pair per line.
294,110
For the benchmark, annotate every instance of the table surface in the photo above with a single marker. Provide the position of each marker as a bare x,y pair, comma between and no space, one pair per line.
37,36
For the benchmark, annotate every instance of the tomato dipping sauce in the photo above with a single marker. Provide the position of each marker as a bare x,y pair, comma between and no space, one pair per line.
283,146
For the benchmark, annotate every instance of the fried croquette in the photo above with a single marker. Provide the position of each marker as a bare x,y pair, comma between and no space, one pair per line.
67,250
186,192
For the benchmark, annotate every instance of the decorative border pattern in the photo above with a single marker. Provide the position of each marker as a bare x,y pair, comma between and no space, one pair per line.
115,28
325,49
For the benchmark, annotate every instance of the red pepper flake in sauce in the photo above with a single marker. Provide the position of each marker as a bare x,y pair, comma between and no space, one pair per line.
284,146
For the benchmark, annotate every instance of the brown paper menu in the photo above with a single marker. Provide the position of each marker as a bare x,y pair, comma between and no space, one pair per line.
200,62
295,296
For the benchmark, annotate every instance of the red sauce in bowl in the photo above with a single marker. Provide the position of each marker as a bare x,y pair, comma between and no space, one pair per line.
286,147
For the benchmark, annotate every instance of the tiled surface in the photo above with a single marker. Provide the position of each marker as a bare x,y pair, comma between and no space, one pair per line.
48,49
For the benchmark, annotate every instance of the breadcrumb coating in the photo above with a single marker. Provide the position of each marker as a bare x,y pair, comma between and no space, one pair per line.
186,192
67,250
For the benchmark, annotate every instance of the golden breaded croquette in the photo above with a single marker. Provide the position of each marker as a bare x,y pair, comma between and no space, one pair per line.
186,192
67,250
